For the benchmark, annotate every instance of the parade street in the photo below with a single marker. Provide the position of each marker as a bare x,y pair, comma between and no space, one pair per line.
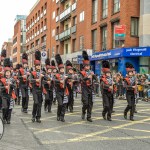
74,134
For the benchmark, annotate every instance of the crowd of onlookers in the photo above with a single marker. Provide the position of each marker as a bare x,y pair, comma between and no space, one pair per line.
142,82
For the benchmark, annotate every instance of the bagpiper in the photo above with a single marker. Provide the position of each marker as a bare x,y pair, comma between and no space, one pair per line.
87,87
2,57
23,75
61,89
35,79
48,86
130,85
7,86
107,90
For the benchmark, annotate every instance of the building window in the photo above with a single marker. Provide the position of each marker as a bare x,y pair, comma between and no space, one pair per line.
105,9
57,49
53,15
116,43
134,26
74,21
94,40
104,38
94,10
81,42
116,6
82,16
15,50
15,60
66,48
53,32
74,45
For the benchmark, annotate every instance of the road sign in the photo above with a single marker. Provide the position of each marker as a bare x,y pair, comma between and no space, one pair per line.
43,56
120,32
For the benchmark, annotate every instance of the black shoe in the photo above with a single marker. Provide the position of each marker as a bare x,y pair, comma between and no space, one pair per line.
62,119
58,118
25,111
83,116
125,115
38,120
71,111
89,119
113,111
4,122
33,119
131,118
135,111
8,122
109,119
104,116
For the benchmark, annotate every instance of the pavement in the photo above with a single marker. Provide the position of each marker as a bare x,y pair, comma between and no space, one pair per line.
78,134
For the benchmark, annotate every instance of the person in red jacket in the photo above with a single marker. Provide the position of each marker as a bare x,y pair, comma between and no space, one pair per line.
7,86
107,90
35,79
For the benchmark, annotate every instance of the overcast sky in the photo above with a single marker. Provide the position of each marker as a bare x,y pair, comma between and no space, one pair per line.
8,10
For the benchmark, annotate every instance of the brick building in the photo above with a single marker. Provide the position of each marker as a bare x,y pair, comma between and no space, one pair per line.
19,39
69,26
8,46
38,28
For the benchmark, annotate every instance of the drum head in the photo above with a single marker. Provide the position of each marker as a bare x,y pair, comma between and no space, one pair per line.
1,128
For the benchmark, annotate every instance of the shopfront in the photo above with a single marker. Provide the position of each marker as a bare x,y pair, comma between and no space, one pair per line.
138,56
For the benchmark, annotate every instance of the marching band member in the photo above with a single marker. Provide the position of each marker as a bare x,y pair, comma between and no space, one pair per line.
130,85
87,87
2,57
54,72
36,81
17,89
48,86
71,78
107,89
61,89
7,86
23,75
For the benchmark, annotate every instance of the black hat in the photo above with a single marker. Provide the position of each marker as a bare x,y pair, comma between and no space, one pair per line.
85,56
37,60
7,64
59,61
47,63
105,66
24,58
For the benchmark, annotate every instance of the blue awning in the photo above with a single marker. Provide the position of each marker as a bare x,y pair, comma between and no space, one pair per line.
121,52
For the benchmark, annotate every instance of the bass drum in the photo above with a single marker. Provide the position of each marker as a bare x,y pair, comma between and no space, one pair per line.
1,128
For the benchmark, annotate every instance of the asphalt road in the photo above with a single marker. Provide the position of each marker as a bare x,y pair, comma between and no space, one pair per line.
76,134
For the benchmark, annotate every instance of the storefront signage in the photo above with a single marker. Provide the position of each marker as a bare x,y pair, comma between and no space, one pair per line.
122,52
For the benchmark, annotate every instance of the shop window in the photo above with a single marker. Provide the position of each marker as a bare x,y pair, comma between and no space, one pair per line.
134,26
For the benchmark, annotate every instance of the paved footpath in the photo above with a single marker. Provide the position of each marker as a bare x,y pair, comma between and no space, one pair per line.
75,133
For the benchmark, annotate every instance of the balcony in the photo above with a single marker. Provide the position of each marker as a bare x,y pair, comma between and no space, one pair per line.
45,12
66,14
43,45
41,30
65,35
35,21
35,34
74,6
62,1
30,26
57,1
